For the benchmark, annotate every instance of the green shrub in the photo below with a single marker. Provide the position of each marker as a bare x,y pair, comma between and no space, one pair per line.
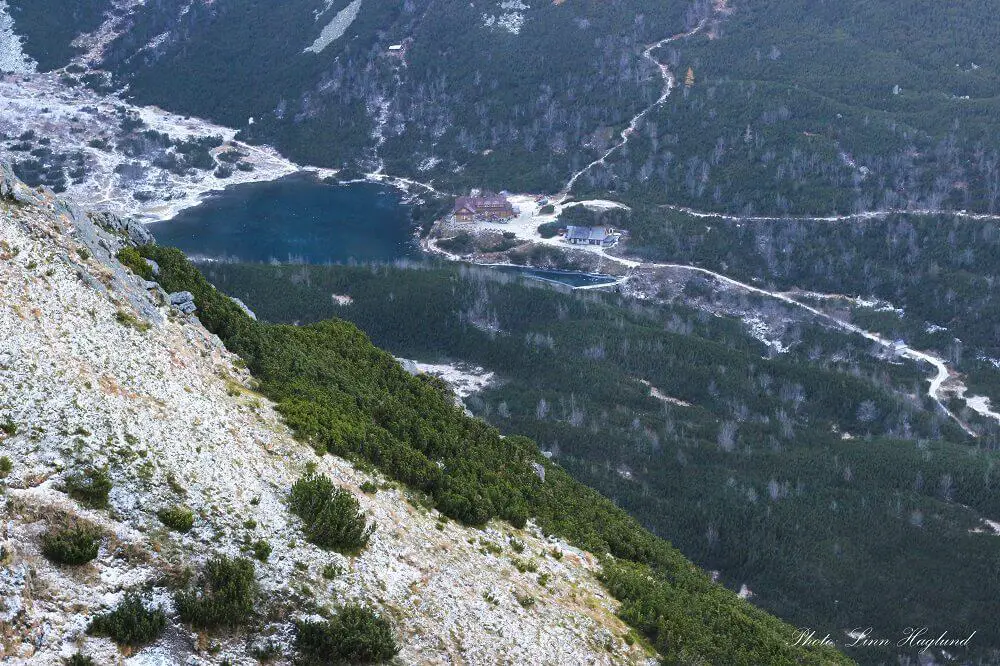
5,466
90,487
8,427
131,623
331,571
369,488
332,515
78,659
178,518
355,635
74,542
131,259
225,595
547,209
549,229
261,550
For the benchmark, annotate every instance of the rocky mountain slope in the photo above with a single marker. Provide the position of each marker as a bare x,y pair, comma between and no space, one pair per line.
98,370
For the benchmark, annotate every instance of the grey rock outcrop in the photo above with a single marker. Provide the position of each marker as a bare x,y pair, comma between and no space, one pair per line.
11,187
245,308
128,227
183,301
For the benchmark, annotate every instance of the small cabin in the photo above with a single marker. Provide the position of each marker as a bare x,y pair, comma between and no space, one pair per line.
603,236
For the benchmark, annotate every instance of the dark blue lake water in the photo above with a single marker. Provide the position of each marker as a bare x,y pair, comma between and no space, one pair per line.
296,219
300,219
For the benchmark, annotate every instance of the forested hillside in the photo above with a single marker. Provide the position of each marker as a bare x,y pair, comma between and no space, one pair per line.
782,106
344,396
812,478
935,274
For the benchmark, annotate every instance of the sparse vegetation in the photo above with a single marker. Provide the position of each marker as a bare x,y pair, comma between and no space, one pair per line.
73,542
266,652
525,566
5,466
224,596
131,623
331,571
179,518
78,659
91,487
332,516
8,427
356,635
131,321
261,550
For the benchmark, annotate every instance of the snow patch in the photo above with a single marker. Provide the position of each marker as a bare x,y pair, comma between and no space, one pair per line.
759,330
463,379
990,527
663,397
336,28
428,163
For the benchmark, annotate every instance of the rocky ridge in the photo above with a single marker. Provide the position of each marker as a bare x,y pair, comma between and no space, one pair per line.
98,368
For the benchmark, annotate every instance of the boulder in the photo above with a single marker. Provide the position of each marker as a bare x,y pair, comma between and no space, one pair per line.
127,227
183,301
154,266
11,187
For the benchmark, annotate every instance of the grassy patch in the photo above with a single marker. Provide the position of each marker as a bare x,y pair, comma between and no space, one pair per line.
131,321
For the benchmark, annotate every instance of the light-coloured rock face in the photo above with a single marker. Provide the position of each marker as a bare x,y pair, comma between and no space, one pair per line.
175,419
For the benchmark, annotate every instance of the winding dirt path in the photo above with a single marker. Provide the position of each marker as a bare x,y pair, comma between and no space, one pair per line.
669,81
941,373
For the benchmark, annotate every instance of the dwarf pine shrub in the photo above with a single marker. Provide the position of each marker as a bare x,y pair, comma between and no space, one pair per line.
178,517
74,542
356,635
332,515
131,623
224,596
90,487
261,550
